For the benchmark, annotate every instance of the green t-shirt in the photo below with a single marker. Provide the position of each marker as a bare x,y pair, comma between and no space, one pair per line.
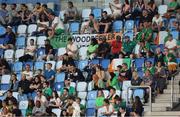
152,70
115,83
147,32
117,106
47,92
71,90
29,111
82,107
92,48
170,55
99,101
173,4
128,47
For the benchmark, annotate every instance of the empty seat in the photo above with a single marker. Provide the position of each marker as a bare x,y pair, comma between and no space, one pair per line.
2,30
92,95
117,26
61,51
82,95
85,14
56,111
81,86
83,53
90,112
19,53
60,77
126,84
40,52
139,63
74,27
9,54
175,34
91,104
129,25
17,67
139,92
39,65
94,61
105,63
59,85
41,41
97,13
162,9
59,64
31,28
82,64
22,30
20,42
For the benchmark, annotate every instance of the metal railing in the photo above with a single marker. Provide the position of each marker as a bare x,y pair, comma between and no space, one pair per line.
142,87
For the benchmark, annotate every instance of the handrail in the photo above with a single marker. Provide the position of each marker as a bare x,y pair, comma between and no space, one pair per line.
134,87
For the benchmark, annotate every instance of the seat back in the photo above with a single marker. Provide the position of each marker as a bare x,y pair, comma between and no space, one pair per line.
22,29
41,41
5,79
19,53
17,67
81,86
74,27
9,54
60,77
82,64
97,13
61,51
20,42
117,25
129,25
39,65
85,14
92,95
162,9
31,28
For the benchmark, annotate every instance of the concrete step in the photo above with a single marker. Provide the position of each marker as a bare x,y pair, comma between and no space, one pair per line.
175,86
159,109
162,114
169,91
166,96
167,104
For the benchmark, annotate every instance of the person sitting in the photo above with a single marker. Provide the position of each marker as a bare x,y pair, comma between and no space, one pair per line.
122,112
30,107
107,109
26,14
103,49
118,103
23,86
36,11
27,72
12,14
105,23
82,107
71,13
10,97
112,95
125,73
100,99
71,49
69,87
4,67
128,46
171,44
159,56
91,26
40,97
116,46
3,14
157,22
16,111
136,80
116,8
92,48
36,84
113,81
64,98
9,39
126,9
14,83
149,66
39,109
137,107
29,52
172,6
46,90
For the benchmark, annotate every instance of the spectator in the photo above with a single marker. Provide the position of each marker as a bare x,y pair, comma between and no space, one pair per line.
145,17
64,113
71,13
71,48
57,25
26,14
14,83
138,7
157,22
142,49
91,26
43,24
149,66
29,52
118,103
47,91
39,109
27,72
107,109
30,107
4,67
10,97
75,108
9,39
40,97
137,107
3,14
23,85
46,9
172,6
4,110
36,11
92,48
103,49
49,52
116,8
113,81
147,79
75,75
136,80
12,14
116,47
126,10
82,107
16,111
98,78
112,95
49,74
159,56
36,84
69,87
160,76
171,44
122,112
64,97
105,23
125,73
128,46
100,99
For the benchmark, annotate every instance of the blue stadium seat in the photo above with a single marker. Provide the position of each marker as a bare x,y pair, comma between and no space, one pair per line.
82,64
91,104
105,63
58,86
94,61
20,42
2,40
28,63
39,65
164,24
1,52
130,34
17,67
40,51
178,60
2,30
162,47
90,112
74,27
117,26
139,92
97,13
5,87
60,77
171,24
175,34
129,25
92,95
140,73
152,60
139,63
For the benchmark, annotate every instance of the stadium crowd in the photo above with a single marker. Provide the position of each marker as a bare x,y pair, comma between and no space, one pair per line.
63,87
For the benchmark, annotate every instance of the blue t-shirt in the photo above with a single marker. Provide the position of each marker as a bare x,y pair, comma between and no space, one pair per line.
49,74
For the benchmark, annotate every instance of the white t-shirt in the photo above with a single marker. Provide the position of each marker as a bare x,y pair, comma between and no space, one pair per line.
28,74
43,100
104,109
73,48
30,50
43,23
171,44
76,112
59,23
115,9
157,20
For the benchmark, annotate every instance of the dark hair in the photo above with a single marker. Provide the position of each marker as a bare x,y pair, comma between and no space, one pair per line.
56,94
91,15
106,101
10,91
32,40
125,64
50,64
127,2
38,3
45,17
66,89
70,39
62,112
71,3
45,6
3,4
14,4
79,98
71,98
105,12
112,74
94,41
112,88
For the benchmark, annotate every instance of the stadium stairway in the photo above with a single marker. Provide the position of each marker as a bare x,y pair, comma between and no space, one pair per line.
162,105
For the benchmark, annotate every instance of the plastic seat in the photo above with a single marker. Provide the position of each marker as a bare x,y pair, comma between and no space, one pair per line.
61,15
59,85
40,52
73,84
171,24
82,64
105,63
90,86
31,28
91,104
85,14
23,105
19,53
15,94
97,13
56,111
92,95
175,34
2,30
139,62
129,25
20,42
83,53
106,93
41,41
9,54
22,30
59,64
178,60
81,86
90,112
74,27
39,65
117,26
61,51
82,95
118,92
51,5
162,36
139,92
126,84
5,79
108,10
140,73
94,61
162,9
60,77
17,67
130,34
